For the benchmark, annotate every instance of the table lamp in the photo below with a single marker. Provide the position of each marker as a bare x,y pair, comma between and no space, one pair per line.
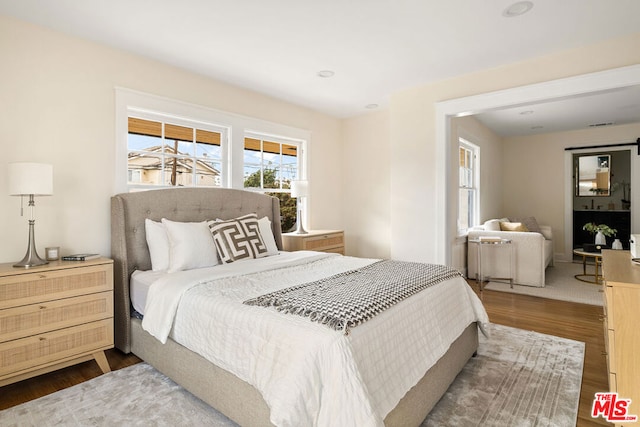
299,189
30,179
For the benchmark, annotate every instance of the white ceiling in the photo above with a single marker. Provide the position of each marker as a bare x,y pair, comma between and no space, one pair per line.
375,47
615,107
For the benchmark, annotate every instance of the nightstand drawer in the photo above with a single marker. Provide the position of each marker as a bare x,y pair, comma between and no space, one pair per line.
52,347
32,288
316,240
337,250
324,242
34,319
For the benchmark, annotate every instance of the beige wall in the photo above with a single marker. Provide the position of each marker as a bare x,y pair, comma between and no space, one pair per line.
366,191
536,179
414,191
57,106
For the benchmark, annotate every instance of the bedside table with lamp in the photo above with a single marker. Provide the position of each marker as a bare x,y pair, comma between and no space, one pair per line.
53,313
315,240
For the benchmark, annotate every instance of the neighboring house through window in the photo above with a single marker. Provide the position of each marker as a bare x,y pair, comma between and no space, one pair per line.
468,192
160,153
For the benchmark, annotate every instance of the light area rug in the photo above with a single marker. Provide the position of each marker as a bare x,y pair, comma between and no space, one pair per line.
560,285
518,378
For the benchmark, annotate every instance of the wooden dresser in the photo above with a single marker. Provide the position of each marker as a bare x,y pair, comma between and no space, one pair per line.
54,316
316,240
622,325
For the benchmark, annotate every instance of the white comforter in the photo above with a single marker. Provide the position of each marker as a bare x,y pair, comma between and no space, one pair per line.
308,373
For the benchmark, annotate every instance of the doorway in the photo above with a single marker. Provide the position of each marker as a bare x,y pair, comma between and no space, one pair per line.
520,96
601,183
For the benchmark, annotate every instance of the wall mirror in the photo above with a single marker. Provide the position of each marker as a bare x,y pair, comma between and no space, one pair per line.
593,175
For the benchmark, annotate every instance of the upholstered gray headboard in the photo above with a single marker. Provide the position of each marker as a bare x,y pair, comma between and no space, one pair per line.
128,239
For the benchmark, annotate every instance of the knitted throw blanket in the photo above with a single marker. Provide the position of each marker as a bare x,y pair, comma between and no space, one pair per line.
349,299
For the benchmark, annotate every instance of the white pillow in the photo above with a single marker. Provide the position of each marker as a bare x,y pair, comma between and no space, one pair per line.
158,244
494,224
267,236
191,245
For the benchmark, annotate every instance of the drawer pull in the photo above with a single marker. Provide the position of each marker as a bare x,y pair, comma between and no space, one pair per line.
42,307
604,353
42,276
602,317
42,339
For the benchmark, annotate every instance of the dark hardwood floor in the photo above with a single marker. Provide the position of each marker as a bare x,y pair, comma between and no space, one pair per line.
575,321
580,322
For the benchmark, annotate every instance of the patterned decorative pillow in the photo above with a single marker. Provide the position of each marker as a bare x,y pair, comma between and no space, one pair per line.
238,238
267,236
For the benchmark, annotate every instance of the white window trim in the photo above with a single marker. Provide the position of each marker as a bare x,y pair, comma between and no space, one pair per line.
238,126
465,143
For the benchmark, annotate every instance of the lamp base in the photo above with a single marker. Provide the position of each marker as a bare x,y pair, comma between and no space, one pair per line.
300,229
31,258
30,262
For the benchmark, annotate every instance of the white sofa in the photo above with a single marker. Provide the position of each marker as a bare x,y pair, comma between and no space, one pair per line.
533,252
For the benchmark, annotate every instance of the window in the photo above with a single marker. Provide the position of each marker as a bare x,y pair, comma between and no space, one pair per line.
167,143
178,154
270,164
468,193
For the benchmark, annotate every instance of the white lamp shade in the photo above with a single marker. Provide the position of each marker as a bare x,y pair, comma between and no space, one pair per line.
30,178
299,188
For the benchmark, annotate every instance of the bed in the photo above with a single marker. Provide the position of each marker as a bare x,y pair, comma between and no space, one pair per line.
234,392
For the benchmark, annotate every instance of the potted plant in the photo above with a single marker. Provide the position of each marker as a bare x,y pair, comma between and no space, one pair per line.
600,230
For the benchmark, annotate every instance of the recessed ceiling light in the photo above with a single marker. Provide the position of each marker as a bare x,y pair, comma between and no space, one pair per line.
371,106
326,73
517,9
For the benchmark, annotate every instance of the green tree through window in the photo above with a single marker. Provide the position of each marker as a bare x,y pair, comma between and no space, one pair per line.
288,210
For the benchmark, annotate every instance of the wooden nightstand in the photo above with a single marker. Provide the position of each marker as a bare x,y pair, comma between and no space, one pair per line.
53,316
316,240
